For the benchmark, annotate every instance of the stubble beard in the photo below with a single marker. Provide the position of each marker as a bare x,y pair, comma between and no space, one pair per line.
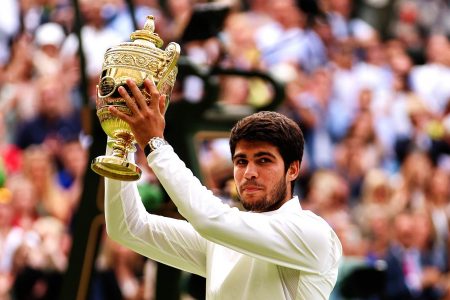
268,202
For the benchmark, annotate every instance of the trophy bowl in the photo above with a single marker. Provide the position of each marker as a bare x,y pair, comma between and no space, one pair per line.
139,59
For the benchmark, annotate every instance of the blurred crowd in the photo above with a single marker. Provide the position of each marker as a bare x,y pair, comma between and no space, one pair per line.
367,80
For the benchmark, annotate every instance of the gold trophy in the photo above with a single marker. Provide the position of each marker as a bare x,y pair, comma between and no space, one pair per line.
139,59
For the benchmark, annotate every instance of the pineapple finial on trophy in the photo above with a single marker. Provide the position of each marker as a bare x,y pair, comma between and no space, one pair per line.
148,33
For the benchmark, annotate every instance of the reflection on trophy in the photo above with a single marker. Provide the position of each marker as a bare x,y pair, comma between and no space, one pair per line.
139,59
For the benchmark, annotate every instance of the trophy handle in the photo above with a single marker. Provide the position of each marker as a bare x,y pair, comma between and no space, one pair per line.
172,52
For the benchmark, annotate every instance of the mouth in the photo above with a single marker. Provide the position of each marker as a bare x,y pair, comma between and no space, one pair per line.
250,188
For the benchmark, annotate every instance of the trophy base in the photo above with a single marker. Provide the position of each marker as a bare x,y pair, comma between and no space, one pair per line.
116,168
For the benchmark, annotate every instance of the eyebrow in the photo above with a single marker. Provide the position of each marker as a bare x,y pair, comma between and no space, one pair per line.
256,155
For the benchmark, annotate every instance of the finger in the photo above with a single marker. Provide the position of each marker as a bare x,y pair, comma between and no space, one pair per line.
130,102
153,91
114,111
162,103
137,94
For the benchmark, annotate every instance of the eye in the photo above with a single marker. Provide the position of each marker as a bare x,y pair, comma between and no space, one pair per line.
264,160
240,162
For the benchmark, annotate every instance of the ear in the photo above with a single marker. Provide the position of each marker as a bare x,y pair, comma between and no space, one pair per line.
293,171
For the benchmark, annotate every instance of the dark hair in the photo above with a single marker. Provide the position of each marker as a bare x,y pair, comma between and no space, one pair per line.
274,128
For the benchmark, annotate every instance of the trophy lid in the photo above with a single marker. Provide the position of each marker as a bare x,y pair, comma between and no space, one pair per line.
139,59
147,35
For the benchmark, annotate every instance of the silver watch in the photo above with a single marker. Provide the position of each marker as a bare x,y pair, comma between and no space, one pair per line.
154,144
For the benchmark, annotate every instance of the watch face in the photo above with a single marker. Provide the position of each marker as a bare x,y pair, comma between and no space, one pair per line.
156,143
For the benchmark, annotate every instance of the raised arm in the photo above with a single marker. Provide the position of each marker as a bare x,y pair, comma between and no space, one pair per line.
170,241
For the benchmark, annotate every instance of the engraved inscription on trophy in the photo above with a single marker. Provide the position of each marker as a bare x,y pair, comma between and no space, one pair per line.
106,86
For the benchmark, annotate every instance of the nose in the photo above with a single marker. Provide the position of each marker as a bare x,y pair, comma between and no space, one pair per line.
251,171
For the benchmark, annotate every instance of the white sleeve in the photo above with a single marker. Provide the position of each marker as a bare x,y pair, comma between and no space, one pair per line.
169,241
298,240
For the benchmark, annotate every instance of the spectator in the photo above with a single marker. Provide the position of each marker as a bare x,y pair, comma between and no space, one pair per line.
39,167
309,103
121,20
418,135
41,264
9,27
408,277
328,196
357,153
345,89
428,80
177,14
56,120
97,38
413,178
24,202
239,42
437,196
73,160
319,39
19,94
283,39
37,12
49,38
372,71
345,26
376,195
377,231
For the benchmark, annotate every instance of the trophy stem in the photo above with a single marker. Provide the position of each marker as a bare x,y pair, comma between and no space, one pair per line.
116,165
121,148
119,152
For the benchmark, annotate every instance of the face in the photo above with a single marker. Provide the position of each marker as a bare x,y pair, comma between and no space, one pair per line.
261,180
405,231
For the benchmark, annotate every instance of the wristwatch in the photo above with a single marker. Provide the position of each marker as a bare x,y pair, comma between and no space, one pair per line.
154,144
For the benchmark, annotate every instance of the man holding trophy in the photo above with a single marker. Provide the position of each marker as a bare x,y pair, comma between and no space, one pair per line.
274,250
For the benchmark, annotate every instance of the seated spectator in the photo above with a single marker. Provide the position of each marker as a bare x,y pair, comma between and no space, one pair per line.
283,40
56,120
42,263
345,25
327,196
96,36
24,201
415,173
47,58
409,276
357,153
39,167
429,80
18,95
376,195
72,159
437,195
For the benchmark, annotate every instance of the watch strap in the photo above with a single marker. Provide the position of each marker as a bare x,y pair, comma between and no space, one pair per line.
147,150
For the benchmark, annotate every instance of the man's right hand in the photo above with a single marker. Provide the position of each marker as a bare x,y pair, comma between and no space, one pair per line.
146,120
